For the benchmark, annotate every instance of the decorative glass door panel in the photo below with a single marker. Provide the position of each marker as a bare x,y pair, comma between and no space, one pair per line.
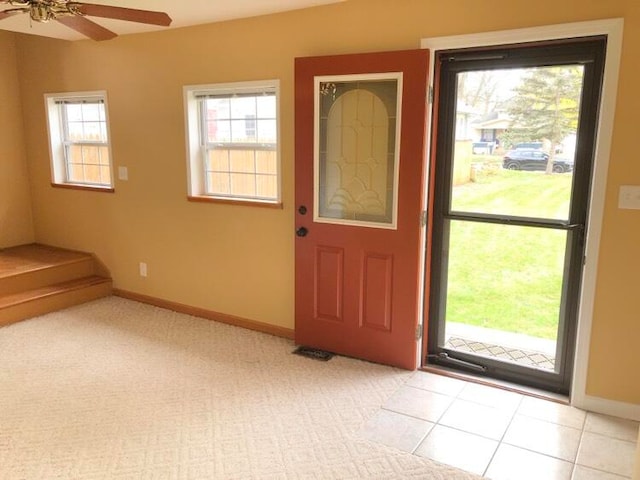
356,157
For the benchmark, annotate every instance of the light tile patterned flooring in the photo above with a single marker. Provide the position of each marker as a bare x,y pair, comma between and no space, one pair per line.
502,435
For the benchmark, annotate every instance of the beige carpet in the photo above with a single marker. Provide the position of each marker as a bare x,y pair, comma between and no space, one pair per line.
115,389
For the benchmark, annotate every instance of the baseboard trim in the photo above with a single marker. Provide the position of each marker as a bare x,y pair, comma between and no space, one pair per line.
630,411
208,314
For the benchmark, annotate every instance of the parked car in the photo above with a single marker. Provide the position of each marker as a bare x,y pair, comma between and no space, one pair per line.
534,159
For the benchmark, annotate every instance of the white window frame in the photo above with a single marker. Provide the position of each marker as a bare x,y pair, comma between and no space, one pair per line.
197,147
57,143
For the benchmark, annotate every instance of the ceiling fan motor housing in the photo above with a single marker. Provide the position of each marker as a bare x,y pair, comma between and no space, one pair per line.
40,12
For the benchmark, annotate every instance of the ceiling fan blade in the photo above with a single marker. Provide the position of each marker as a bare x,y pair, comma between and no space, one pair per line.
11,13
87,27
121,13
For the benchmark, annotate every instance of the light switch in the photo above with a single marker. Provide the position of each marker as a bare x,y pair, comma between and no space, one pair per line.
123,173
629,197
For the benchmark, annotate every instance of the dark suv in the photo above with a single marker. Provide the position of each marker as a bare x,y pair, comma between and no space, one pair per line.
534,159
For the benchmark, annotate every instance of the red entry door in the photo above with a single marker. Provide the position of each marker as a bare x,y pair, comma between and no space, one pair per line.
360,149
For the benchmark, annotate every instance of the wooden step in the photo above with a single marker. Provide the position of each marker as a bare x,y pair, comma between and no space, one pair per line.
38,301
28,267
37,279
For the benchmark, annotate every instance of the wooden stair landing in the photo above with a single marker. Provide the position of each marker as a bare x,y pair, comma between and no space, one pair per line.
37,279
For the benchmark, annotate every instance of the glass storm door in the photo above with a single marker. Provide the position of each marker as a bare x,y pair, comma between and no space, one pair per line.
513,166
360,123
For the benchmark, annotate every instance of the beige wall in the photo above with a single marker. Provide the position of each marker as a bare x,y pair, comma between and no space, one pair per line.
636,468
16,225
239,260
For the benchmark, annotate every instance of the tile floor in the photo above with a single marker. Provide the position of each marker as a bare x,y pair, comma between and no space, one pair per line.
502,435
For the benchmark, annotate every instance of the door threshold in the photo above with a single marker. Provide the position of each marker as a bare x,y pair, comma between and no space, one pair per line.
500,384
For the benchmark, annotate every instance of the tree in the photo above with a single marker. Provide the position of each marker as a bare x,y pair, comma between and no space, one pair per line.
478,90
545,106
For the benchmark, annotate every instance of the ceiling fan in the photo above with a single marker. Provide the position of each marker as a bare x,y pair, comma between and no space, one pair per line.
73,15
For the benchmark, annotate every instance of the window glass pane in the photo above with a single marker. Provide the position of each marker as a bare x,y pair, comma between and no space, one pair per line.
218,183
92,173
75,131
266,161
250,125
491,289
90,155
266,186
218,131
243,106
105,175
242,161
239,132
74,112
91,112
515,141
103,132
266,106
267,131
218,108
243,184
88,164
218,160
76,173
75,153
104,155
92,131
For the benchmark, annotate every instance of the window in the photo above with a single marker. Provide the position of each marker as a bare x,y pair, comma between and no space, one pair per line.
232,142
79,140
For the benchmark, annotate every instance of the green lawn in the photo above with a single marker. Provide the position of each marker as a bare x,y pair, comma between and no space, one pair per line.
525,194
502,276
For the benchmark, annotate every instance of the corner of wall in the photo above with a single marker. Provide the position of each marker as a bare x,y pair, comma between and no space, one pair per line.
16,218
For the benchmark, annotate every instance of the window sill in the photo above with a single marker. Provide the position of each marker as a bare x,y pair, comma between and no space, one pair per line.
232,201
72,186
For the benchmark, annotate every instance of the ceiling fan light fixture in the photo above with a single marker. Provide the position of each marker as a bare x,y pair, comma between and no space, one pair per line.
40,12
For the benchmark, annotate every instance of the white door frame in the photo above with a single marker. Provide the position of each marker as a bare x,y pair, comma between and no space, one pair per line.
612,28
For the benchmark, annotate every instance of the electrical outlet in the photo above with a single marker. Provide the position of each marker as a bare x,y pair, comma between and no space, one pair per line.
143,269
629,197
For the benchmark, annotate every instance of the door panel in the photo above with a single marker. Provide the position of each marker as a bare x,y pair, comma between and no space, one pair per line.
509,222
328,284
360,126
377,279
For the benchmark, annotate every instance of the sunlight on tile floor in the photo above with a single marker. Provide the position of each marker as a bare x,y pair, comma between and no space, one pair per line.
502,435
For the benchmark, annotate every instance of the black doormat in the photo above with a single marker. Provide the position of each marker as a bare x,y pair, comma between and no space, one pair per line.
313,353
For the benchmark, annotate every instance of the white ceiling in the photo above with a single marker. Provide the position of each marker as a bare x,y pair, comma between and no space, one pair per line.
183,13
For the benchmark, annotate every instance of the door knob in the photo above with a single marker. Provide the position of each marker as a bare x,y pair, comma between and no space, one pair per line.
302,232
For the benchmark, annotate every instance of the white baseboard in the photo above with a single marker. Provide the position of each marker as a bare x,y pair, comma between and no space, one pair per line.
629,411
